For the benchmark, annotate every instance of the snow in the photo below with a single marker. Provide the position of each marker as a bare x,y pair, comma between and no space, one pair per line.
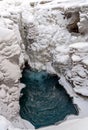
79,45
77,124
2,93
85,61
6,125
66,4
83,91
81,103
52,48
5,34
75,58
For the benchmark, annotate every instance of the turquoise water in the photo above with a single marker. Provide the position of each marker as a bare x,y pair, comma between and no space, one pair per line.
44,101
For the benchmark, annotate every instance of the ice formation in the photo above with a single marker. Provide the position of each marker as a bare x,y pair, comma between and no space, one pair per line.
52,36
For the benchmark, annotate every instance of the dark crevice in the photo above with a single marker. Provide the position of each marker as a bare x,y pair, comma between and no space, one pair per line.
74,18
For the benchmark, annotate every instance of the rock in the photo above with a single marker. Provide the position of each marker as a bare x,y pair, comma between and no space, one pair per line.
74,19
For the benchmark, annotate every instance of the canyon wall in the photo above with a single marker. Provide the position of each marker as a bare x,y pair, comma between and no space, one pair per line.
56,41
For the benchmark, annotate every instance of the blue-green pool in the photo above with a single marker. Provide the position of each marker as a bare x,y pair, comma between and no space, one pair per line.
44,101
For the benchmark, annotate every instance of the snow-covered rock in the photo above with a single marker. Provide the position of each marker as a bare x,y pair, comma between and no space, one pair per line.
79,72
10,51
54,35
54,43
10,54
